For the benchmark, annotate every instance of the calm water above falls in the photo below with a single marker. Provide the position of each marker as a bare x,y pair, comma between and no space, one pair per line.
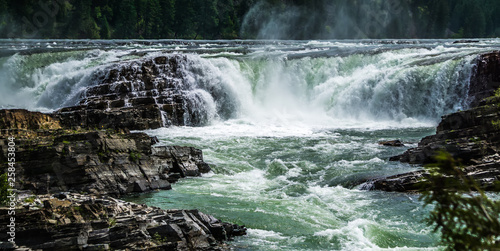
290,127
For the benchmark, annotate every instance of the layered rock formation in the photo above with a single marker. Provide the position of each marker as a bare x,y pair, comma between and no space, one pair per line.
473,136
99,162
23,119
146,94
52,160
68,221
136,95
485,78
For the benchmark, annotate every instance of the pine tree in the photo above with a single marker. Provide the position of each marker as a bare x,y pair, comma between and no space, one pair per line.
167,15
207,20
105,30
465,216
126,20
227,17
184,19
475,22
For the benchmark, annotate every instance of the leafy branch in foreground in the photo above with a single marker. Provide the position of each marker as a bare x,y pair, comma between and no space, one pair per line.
465,216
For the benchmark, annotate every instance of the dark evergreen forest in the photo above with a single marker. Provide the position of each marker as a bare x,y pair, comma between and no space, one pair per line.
248,19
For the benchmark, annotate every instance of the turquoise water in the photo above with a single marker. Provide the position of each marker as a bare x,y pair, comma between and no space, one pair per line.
290,128
298,190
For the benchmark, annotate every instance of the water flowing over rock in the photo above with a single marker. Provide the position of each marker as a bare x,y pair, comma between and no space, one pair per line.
473,136
144,94
68,221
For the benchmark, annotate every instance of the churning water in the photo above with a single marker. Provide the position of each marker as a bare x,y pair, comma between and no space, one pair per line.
290,127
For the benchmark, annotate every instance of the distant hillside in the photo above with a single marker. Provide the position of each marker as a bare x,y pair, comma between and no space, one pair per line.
263,19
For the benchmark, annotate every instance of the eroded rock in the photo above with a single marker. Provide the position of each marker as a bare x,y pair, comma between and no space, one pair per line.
100,162
485,77
146,94
396,143
89,222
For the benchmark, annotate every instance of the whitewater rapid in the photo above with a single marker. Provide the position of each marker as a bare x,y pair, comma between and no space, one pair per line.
290,128
344,82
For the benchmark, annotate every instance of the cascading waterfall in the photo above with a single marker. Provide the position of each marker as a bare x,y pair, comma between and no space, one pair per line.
400,85
290,128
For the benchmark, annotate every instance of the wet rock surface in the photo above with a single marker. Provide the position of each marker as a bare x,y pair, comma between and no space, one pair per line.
396,143
469,135
100,162
147,94
57,164
486,172
114,162
68,221
132,118
485,78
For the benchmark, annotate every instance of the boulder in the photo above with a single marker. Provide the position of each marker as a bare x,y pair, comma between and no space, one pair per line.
396,143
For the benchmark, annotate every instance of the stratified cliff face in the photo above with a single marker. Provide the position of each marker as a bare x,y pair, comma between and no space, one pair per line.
473,136
135,95
53,160
69,221
142,94
485,78
26,120
99,162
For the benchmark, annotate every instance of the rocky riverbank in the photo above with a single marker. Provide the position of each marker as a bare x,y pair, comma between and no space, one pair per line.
473,136
53,160
115,162
68,221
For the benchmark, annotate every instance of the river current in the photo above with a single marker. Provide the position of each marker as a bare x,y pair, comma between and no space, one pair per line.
291,131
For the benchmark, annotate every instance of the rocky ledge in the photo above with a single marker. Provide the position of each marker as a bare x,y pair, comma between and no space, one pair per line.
98,162
473,136
147,93
53,160
68,221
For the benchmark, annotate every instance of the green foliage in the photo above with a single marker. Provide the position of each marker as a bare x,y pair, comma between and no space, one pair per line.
4,186
496,124
30,199
158,239
465,216
134,156
111,222
212,19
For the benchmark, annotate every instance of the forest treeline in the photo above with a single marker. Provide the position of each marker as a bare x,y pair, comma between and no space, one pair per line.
262,19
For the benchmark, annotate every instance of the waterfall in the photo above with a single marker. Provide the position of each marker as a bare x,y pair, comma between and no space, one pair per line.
316,82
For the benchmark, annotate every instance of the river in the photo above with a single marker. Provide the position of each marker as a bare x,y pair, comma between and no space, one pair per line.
290,128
